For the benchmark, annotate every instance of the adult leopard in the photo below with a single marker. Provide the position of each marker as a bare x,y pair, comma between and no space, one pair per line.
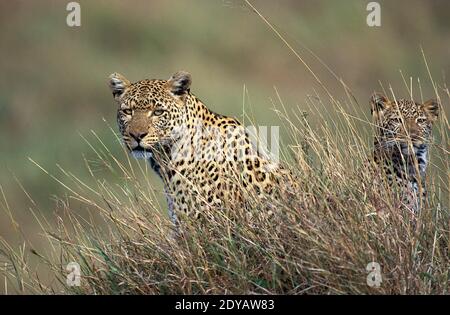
204,159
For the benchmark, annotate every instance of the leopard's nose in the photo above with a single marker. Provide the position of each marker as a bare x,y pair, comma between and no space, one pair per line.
138,136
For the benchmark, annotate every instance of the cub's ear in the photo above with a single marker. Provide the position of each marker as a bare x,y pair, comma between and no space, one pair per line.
179,83
379,102
118,84
431,109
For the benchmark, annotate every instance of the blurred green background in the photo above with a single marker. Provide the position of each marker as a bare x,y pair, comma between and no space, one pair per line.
53,77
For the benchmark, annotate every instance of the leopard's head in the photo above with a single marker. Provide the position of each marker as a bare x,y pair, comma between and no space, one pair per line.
149,111
403,122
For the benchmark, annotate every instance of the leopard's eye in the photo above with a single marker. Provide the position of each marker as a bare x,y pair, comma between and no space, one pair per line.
158,112
421,120
127,111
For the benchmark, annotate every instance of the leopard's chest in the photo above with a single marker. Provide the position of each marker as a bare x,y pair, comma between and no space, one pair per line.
406,174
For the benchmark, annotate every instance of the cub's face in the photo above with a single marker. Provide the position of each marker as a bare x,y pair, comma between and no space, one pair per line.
149,111
399,123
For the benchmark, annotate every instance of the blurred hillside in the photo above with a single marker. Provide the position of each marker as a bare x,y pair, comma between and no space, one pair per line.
53,77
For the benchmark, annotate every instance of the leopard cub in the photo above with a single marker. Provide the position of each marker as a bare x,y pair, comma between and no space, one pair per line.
402,143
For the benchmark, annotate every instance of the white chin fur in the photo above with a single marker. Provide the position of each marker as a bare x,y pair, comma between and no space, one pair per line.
141,154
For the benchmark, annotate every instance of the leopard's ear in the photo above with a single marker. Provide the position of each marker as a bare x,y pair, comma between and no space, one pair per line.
379,102
431,108
179,83
118,84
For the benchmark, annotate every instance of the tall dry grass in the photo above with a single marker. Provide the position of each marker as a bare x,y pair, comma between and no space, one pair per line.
322,247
